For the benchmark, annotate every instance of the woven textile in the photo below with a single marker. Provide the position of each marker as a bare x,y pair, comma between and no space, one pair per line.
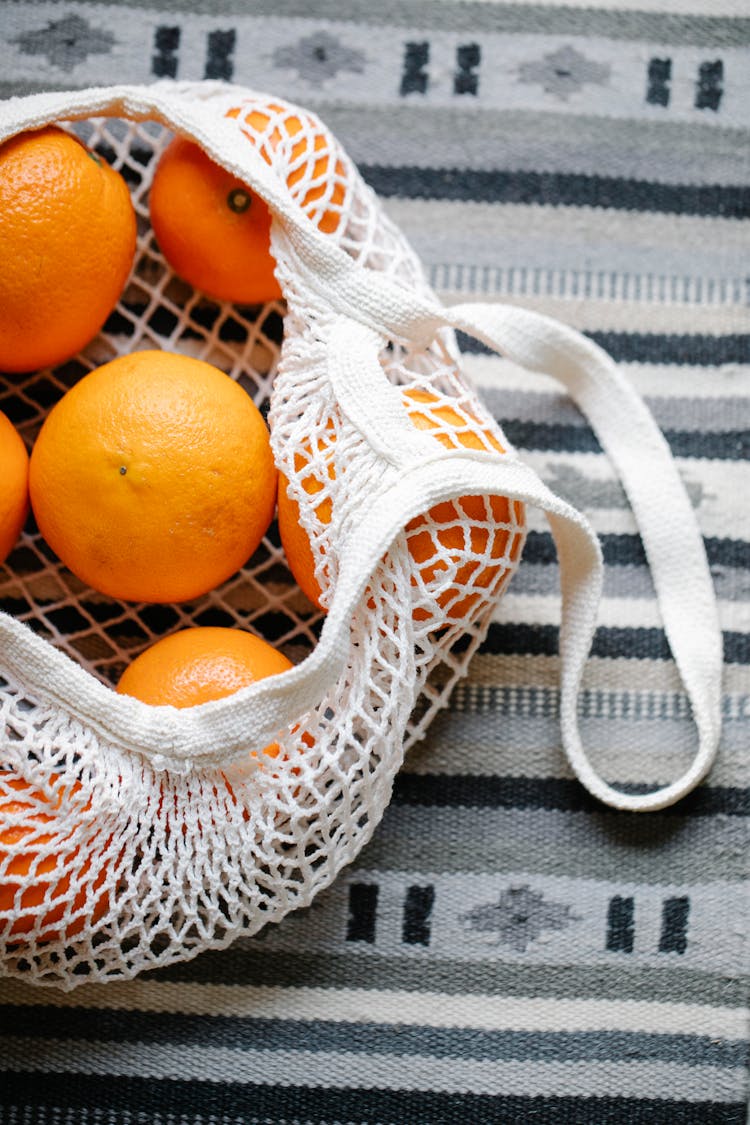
504,949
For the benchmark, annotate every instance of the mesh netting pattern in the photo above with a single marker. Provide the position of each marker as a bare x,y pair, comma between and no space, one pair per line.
110,863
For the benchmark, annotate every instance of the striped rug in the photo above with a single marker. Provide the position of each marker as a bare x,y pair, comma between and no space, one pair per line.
505,950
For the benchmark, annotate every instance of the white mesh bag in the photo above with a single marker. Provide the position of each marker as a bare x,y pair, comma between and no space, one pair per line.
134,836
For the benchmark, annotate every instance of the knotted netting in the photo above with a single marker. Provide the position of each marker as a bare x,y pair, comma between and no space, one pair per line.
134,836
111,862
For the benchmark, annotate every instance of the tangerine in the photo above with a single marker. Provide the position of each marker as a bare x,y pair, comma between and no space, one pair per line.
212,229
14,495
36,865
201,663
304,153
67,243
153,478
441,541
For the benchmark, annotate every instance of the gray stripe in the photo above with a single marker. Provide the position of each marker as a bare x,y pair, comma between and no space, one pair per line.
672,413
462,1043
533,701
621,581
514,248
535,263
509,139
651,752
587,491
301,1067
246,962
554,843
652,747
432,15
519,140
275,1034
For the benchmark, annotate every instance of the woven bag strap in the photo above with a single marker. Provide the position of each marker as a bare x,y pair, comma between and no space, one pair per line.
669,530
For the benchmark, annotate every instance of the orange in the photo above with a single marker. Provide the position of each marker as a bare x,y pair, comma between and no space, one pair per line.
34,887
200,664
212,229
437,541
305,154
14,493
67,242
152,478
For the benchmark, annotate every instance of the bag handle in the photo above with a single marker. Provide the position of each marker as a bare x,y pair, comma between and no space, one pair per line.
671,536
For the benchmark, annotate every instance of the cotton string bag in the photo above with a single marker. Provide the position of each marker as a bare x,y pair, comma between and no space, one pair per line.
164,833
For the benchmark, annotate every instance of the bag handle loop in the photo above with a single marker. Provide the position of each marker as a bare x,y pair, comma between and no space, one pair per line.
671,536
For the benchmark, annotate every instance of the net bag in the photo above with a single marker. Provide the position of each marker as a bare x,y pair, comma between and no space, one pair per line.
134,836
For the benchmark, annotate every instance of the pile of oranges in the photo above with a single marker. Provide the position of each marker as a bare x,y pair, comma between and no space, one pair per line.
152,479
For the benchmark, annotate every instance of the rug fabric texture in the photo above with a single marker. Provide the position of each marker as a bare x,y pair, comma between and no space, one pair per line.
505,949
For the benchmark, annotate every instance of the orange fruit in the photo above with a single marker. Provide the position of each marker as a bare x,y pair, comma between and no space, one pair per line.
14,493
304,152
437,540
67,242
152,478
199,664
212,229
34,886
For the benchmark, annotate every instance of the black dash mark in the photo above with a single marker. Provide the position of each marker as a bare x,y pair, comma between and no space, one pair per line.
659,78
414,77
166,44
710,86
620,924
466,80
219,61
417,911
674,921
363,903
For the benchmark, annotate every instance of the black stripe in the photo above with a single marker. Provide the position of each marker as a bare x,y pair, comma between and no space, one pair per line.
686,349
414,76
557,189
363,904
559,437
610,642
120,1099
553,793
220,49
674,924
415,929
710,88
99,1025
627,550
165,62
659,79
620,924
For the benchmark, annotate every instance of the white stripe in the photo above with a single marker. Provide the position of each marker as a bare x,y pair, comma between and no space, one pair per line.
618,94
422,1009
539,249
671,7
614,613
615,674
345,1070
724,487
649,378
532,275
596,315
